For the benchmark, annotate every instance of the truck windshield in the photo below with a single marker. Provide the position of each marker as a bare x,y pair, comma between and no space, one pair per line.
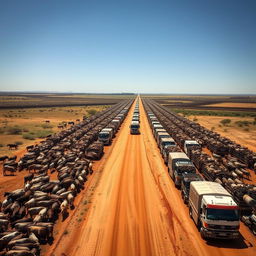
135,126
103,135
222,214
168,143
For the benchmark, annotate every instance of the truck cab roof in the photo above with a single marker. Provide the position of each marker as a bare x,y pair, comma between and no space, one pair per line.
209,188
191,142
219,201
169,139
107,130
178,155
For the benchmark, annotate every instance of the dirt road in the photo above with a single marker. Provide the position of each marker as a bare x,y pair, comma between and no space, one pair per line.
136,210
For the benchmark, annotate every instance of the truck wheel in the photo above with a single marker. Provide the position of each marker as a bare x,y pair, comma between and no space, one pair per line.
190,212
199,225
201,233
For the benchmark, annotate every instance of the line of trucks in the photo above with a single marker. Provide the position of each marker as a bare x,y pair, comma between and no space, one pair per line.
135,123
211,206
107,134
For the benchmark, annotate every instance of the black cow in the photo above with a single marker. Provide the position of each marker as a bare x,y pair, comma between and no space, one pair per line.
12,146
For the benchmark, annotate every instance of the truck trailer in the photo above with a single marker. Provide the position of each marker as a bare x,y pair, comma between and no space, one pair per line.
179,163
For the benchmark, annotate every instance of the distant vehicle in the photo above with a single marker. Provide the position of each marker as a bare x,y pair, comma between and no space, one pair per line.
106,135
179,163
156,131
136,118
190,143
135,127
213,210
165,142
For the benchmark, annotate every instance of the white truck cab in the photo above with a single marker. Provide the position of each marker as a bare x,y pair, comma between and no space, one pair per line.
106,135
213,210
190,143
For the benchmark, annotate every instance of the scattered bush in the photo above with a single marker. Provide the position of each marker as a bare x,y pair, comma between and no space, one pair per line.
246,129
190,112
18,142
243,123
225,122
28,136
195,119
47,126
13,130
92,111
1,145
42,133
213,128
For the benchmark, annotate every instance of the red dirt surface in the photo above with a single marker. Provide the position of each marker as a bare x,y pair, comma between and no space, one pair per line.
136,209
131,207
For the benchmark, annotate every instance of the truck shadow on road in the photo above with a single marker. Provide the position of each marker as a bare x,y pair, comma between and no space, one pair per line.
235,244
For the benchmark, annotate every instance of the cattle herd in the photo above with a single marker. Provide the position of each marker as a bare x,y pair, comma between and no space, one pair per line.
28,214
226,162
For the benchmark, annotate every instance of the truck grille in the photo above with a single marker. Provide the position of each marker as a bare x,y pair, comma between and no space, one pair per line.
223,227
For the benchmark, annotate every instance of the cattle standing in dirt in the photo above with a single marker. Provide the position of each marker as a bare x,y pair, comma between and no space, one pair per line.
12,146
3,158
9,169
63,209
29,148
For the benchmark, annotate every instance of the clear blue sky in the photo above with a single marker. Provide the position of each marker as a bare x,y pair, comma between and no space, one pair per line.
206,46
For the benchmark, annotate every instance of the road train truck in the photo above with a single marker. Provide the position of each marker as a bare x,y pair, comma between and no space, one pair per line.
179,163
106,135
213,210
135,127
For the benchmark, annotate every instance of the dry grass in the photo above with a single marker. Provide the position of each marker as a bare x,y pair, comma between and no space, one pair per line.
32,123
233,105
245,135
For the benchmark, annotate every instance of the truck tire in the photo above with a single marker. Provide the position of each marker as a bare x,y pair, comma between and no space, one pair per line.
190,212
201,233
199,225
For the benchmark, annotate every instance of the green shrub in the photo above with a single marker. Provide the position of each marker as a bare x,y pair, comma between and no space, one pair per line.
28,136
42,133
213,112
13,130
1,145
225,122
243,123
18,142
47,126
92,111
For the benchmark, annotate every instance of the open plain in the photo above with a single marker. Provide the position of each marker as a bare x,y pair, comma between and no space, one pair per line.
130,206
